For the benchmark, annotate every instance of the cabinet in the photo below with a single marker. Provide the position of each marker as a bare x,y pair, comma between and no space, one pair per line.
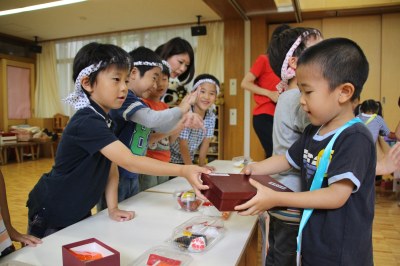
215,150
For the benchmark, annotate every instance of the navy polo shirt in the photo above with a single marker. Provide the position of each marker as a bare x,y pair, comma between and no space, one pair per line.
80,173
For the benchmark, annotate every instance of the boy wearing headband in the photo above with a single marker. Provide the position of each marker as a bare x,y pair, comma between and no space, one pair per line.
190,140
89,152
330,76
135,120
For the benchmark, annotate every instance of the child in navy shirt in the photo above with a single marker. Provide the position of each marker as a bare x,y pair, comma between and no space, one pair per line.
135,120
330,76
89,152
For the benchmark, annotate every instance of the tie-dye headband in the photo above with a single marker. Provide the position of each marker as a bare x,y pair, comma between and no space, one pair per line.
78,98
287,72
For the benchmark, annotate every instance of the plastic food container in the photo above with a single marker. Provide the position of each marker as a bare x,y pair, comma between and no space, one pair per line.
208,209
198,234
241,161
187,201
162,255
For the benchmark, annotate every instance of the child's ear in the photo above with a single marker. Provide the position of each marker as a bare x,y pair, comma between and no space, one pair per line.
85,82
346,92
293,62
134,73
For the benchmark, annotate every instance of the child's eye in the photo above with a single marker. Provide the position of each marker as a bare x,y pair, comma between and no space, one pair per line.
116,79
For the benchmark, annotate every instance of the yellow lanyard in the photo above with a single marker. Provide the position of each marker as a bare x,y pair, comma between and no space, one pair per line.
370,119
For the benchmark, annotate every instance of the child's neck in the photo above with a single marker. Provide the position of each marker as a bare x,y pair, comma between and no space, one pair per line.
155,99
199,111
338,121
292,84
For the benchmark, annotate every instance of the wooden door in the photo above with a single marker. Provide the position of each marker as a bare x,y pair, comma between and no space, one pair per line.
17,92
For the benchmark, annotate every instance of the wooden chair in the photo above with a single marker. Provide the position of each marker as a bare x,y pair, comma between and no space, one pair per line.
59,122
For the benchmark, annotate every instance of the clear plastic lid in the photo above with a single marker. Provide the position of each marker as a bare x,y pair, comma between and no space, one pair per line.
198,234
162,255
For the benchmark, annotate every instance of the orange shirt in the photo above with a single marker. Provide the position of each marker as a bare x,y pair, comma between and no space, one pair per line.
159,150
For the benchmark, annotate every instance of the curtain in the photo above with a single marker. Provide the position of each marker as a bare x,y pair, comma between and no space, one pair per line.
47,83
210,51
129,40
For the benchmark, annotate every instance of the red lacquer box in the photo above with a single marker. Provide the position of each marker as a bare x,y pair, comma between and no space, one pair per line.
228,190
89,252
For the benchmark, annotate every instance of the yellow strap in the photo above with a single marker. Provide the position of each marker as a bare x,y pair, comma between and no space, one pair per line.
370,119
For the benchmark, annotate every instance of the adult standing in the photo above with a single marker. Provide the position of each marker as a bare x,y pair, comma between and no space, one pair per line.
261,81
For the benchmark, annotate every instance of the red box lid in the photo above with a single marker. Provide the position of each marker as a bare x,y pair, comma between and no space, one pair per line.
237,186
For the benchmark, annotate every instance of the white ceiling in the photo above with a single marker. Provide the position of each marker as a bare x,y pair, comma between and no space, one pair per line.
99,16
103,16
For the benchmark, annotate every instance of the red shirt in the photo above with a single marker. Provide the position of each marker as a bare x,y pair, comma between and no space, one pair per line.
265,78
157,152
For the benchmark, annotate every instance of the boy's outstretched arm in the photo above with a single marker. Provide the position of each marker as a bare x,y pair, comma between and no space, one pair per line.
111,194
118,153
332,197
272,165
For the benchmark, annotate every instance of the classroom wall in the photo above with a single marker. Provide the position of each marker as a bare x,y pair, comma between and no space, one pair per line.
378,36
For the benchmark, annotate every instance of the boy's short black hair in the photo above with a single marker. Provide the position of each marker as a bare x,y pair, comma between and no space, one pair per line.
144,59
176,46
340,60
93,53
282,41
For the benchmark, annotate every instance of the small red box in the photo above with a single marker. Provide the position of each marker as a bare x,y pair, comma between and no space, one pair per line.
228,190
110,257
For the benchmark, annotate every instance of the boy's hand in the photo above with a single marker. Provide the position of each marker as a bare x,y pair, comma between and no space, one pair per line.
192,174
248,169
263,200
211,168
188,101
120,215
193,120
25,240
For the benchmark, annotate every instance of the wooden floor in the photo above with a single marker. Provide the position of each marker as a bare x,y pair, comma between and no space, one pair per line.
21,177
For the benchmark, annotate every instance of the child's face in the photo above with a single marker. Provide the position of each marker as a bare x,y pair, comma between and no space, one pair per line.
206,96
142,86
162,86
179,64
110,89
317,99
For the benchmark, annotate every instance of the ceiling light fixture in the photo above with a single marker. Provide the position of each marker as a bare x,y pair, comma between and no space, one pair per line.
40,6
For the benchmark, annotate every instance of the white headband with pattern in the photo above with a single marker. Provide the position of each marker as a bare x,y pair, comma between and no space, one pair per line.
201,81
78,98
147,63
167,65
